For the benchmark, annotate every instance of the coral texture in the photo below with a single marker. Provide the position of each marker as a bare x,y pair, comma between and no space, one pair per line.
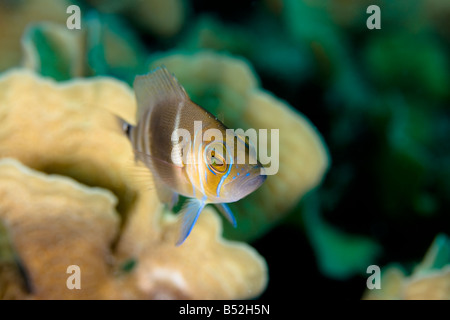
14,18
430,279
120,237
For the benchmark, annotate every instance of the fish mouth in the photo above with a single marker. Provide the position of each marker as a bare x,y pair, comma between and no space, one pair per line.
243,188
252,184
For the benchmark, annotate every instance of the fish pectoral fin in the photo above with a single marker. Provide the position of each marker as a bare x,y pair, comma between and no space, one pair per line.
165,178
166,195
226,211
170,173
189,215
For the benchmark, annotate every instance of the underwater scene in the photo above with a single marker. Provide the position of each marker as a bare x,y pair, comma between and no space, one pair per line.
204,150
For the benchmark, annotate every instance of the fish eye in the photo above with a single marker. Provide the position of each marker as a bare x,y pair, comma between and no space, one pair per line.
215,160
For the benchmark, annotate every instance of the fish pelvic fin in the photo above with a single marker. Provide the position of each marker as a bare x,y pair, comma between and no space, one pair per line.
226,211
189,215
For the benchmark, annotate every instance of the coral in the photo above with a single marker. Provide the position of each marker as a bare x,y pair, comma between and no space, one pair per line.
77,136
228,86
339,254
53,50
379,97
228,270
391,64
104,46
237,101
162,18
81,140
290,63
14,18
429,280
54,223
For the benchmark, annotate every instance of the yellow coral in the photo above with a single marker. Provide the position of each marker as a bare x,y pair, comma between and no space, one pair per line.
70,129
428,281
162,18
56,222
228,270
396,285
15,17
70,44
65,129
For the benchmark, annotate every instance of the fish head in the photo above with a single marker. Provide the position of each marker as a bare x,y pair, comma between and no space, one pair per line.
232,169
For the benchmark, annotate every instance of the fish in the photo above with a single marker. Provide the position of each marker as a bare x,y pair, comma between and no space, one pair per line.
189,151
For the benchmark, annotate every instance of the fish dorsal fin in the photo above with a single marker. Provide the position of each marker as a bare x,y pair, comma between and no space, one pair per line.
158,86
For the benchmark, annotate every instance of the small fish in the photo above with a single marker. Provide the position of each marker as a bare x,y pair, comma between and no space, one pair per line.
204,167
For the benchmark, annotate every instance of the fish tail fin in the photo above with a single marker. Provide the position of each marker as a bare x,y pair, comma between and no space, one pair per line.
226,211
189,215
